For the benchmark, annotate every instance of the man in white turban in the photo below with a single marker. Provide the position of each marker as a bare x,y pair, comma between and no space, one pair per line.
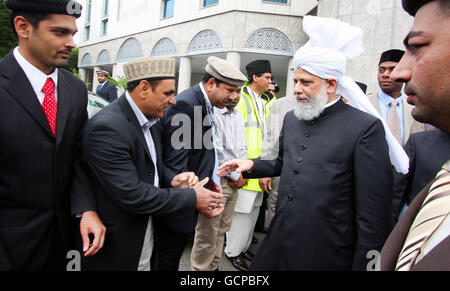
336,177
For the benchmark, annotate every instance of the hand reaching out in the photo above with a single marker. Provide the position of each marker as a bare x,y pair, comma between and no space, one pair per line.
184,180
235,166
209,203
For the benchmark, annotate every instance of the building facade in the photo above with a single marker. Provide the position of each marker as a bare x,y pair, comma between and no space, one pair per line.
114,32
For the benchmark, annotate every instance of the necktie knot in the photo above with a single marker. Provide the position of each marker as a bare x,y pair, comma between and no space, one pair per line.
394,103
49,86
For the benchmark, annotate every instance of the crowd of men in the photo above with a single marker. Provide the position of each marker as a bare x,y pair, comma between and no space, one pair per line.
344,174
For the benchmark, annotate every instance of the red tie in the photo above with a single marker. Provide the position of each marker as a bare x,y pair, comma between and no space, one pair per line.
49,105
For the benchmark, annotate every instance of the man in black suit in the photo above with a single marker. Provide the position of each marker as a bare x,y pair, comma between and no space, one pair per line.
188,135
123,152
105,89
421,239
336,179
42,112
427,152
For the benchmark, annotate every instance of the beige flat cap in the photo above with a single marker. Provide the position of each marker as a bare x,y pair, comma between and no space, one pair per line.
225,72
153,68
103,72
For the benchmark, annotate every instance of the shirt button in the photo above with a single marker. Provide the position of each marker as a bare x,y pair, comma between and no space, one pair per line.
307,134
292,185
290,197
296,172
303,147
150,173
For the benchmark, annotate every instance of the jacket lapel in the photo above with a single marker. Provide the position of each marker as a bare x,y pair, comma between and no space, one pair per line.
156,135
20,88
131,117
64,106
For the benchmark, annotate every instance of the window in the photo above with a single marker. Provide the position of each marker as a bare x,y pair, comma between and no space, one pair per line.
106,8
87,32
209,2
277,1
168,7
89,11
104,27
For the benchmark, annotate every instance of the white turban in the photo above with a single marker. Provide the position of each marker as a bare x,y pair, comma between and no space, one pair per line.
331,43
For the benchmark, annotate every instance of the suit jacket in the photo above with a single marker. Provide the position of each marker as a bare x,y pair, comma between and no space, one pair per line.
427,152
436,260
335,192
122,175
186,130
108,92
410,125
36,171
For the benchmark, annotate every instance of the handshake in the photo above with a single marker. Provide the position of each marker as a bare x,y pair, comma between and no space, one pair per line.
209,201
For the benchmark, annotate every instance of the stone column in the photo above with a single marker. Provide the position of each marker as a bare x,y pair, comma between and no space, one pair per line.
94,79
82,72
235,59
184,79
289,79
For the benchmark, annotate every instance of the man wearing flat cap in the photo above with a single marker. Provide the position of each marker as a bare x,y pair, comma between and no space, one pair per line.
188,139
42,109
421,239
390,100
105,89
255,107
122,152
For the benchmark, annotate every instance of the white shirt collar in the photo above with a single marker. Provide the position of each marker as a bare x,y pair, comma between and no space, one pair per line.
334,102
36,77
143,121
386,99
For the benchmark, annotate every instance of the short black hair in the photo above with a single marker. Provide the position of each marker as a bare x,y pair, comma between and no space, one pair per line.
131,86
250,77
33,18
206,77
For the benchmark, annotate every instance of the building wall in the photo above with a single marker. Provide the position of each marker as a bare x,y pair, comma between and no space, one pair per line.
130,17
385,25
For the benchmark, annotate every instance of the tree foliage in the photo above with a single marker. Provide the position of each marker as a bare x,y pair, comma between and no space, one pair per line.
7,37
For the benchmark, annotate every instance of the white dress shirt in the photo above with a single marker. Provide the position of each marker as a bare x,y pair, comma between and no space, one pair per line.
147,249
36,77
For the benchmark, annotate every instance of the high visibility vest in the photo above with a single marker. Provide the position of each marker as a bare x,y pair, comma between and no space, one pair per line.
253,129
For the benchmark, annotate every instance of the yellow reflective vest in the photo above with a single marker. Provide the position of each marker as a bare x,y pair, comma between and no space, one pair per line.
253,127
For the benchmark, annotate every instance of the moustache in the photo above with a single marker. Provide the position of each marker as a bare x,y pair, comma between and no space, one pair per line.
302,96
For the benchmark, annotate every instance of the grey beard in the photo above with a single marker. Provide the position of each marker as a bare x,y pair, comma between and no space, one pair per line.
312,109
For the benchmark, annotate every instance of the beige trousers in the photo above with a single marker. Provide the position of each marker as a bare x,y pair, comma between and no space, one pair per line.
210,233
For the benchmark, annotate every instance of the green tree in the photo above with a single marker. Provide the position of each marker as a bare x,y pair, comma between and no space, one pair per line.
72,64
7,37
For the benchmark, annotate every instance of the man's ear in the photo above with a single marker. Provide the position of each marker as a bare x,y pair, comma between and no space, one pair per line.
331,85
23,27
144,87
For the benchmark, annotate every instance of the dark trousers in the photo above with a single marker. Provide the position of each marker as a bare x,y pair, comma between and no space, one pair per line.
168,248
262,214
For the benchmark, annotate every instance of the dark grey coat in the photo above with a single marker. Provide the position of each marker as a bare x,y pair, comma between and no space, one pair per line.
335,193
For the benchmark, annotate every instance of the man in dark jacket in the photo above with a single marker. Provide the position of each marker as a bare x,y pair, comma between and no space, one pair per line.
105,89
42,113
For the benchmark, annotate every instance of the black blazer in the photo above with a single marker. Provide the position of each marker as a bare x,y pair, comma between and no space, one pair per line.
187,152
107,92
427,152
122,174
335,193
36,170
